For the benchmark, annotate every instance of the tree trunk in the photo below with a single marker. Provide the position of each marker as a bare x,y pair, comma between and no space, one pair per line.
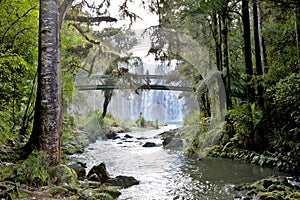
259,70
47,120
261,40
107,97
297,23
220,43
216,40
247,51
226,61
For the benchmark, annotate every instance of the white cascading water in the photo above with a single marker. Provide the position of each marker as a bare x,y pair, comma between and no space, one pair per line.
161,105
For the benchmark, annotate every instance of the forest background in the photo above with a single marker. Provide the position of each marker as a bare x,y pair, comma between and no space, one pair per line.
255,45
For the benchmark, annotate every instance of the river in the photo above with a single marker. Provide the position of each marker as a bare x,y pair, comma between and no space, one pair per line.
167,174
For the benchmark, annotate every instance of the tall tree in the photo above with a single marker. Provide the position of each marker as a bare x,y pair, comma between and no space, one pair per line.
47,120
247,51
46,134
225,19
258,62
297,23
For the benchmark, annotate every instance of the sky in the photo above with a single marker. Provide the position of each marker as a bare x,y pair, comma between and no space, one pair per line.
147,19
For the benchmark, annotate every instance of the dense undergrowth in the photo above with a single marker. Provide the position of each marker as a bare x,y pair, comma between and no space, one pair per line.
27,178
269,137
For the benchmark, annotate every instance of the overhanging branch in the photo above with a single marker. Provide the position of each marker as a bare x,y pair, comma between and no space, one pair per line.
91,19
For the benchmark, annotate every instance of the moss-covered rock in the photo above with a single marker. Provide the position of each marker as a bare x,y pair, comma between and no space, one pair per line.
79,168
63,175
58,191
275,187
96,194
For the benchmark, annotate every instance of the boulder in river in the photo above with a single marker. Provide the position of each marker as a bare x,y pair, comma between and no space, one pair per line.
128,136
110,135
100,172
149,144
171,141
113,131
123,181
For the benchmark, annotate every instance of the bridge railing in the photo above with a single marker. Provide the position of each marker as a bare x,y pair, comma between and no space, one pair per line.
131,81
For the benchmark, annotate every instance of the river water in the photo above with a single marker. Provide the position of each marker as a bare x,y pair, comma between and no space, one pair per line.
168,174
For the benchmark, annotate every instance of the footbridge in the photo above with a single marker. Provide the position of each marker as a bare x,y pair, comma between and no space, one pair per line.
131,81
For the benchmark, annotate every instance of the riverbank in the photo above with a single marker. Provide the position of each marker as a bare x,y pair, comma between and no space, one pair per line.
28,179
166,173
154,164
277,188
273,187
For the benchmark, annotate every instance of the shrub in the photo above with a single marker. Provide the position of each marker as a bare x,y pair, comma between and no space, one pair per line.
32,171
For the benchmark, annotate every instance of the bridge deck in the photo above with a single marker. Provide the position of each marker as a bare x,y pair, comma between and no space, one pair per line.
141,82
143,87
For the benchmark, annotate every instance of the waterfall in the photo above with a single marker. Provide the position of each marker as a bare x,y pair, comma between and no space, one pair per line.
161,105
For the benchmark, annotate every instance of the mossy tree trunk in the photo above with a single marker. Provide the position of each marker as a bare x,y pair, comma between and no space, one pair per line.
47,120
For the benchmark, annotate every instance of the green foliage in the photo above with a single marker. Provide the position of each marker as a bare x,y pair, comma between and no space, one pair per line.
73,51
106,196
18,61
284,99
194,132
95,119
78,131
243,120
32,171
141,120
280,39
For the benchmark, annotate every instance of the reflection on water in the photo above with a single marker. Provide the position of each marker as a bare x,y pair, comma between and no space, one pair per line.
165,174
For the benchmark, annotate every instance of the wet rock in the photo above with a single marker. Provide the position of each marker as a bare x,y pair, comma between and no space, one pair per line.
111,135
79,168
174,143
141,138
113,131
128,136
94,177
123,181
128,141
149,144
100,171
171,141
116,137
